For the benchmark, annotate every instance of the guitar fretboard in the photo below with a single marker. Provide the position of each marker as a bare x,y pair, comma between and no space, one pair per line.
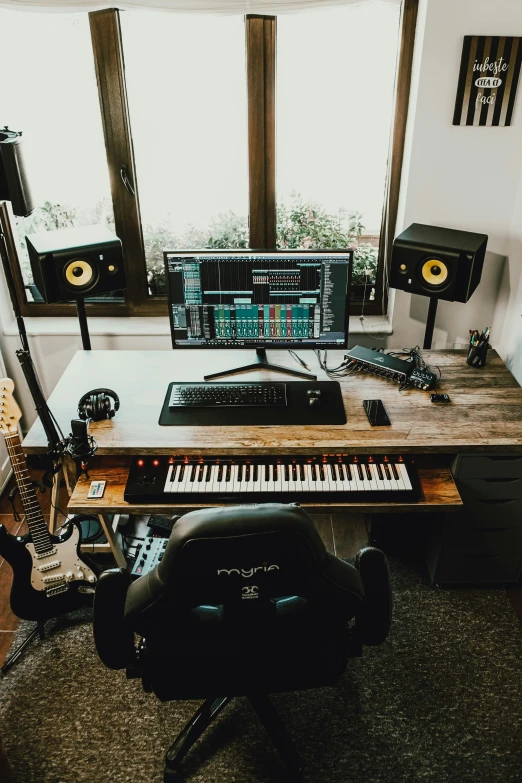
33,513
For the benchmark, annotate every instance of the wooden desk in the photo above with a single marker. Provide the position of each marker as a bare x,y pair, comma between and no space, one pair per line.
485,414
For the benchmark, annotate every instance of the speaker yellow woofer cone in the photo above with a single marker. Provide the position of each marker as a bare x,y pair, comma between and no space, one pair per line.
434,272
79,273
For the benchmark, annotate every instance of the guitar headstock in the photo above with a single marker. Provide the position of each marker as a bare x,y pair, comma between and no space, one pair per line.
10,413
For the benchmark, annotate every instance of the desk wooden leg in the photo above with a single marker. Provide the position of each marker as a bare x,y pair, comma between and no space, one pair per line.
111,538
55,497
55,492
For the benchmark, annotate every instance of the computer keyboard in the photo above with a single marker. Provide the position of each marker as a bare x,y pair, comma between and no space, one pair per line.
219,395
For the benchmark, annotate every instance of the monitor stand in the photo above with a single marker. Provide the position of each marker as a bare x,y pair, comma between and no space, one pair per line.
261,363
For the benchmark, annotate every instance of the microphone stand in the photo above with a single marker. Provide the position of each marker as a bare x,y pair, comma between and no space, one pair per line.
54,441
24,356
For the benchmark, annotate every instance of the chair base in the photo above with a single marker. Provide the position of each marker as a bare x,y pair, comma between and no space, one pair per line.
209,710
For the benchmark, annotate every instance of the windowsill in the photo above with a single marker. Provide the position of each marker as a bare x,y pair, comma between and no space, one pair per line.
151,326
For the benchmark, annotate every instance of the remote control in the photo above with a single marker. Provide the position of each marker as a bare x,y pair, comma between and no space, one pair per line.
96,489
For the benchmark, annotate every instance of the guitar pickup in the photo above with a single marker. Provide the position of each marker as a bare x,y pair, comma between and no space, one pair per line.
50,579
53,551
49,566
50,591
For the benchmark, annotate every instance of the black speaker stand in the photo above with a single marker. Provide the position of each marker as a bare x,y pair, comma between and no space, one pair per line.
82,318
430,322
261,363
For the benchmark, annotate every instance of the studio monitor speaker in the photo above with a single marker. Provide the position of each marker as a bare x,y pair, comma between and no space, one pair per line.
14,186
438,262
76,262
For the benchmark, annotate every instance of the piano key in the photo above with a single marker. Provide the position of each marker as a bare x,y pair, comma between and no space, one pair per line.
307,480
378,474
390,482
228,476
323,485
373,481
169,480
213,478
285,477
356,477
187,470
297,484
257,478
366,477
264,482
236,484
193,484
404,473
399,479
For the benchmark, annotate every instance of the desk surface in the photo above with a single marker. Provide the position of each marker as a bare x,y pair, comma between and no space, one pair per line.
485,413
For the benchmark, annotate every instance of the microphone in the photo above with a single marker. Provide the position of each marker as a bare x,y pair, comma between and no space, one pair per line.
81,445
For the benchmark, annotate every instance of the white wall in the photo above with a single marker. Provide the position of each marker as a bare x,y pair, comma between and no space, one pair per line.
459,177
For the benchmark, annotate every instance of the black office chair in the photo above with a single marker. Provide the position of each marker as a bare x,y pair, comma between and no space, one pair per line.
246,601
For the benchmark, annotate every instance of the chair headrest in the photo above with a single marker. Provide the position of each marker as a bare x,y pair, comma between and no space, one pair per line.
240,530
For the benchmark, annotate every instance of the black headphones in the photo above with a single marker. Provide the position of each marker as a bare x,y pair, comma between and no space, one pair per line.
96,405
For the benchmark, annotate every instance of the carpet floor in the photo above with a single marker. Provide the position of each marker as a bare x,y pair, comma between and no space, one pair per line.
440,700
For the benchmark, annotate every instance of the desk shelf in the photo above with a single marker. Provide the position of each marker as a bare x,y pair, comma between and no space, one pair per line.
439,493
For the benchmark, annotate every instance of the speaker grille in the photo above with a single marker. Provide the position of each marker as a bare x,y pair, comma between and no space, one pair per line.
79,275
434,272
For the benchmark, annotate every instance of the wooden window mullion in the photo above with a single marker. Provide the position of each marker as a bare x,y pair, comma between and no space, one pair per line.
261,60
110,73
402,96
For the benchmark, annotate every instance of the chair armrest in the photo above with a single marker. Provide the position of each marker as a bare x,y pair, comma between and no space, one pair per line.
113,638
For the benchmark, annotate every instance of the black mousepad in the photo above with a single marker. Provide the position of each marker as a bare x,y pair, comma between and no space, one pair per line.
298,410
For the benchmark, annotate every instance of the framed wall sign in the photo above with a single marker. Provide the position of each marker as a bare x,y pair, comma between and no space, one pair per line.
488,80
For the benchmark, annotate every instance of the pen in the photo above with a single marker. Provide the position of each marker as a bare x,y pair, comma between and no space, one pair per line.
299,360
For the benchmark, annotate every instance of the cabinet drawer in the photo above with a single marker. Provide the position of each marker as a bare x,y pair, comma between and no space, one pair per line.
453,567
494,513
484,540
490,489
487,466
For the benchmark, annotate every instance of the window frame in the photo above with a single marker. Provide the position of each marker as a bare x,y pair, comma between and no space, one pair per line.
260,47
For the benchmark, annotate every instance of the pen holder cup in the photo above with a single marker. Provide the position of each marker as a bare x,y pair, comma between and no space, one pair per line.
477,354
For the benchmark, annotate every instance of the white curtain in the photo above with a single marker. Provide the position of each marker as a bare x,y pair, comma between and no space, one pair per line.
204,6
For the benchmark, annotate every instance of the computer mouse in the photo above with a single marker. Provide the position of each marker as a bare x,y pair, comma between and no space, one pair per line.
314,397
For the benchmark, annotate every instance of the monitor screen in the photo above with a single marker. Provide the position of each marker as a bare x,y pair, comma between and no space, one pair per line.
270,299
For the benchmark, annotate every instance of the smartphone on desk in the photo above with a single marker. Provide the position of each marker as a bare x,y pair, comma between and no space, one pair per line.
376,413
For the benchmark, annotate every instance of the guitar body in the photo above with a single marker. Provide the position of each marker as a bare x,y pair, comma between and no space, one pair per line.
63,568
49,575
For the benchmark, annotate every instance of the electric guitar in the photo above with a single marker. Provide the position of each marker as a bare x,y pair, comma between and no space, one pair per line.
49,575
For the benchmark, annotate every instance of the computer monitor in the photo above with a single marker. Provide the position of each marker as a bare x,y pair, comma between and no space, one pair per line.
259,299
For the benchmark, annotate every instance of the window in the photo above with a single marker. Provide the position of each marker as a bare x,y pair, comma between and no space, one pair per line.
334,113
57,108
206,145
186,82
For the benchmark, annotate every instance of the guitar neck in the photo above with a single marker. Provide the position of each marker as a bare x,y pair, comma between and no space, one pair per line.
33,513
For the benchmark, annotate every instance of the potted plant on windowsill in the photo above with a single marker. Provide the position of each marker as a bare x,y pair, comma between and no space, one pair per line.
364,270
